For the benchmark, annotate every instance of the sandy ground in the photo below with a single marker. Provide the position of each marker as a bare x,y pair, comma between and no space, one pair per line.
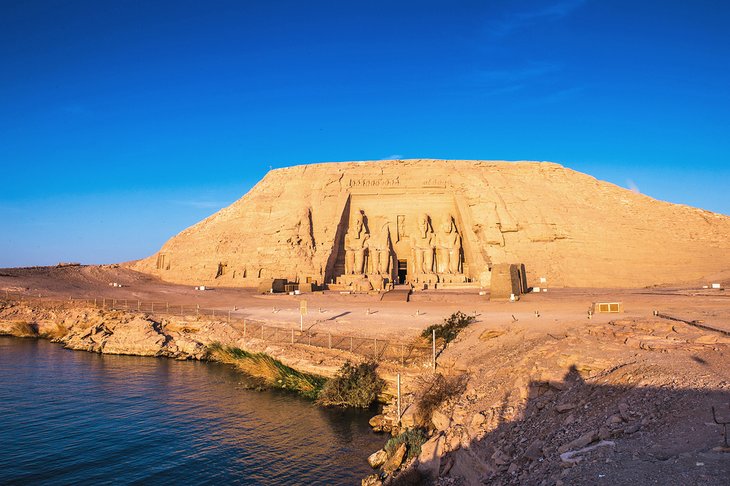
367,315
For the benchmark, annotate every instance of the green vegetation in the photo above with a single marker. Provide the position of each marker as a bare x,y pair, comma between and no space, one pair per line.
354,386
413,438
271,371
451,327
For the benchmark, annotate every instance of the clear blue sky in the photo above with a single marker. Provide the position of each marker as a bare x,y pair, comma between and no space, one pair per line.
124,122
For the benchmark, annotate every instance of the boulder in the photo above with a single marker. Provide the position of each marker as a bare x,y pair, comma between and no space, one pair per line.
580,442
429,460
377,459
139,337
440,421
395,460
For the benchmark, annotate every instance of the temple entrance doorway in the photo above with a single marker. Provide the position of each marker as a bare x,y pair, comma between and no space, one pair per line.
402,271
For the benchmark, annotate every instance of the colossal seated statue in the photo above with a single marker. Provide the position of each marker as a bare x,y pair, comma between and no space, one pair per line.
449,247
356,245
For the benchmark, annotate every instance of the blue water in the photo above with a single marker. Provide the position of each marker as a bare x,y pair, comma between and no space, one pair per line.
71,417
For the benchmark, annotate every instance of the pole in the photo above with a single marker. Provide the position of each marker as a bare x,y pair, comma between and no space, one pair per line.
433,355
399,412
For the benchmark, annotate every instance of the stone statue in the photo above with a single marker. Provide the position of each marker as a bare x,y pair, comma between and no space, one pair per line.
422,246
380,251
356,245
302,240
449,247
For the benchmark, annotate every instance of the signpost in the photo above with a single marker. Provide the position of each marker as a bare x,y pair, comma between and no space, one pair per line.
302,313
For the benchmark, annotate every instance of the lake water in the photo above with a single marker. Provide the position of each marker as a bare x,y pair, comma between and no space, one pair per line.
71,417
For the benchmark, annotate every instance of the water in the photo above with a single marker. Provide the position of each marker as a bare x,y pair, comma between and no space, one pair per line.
71,417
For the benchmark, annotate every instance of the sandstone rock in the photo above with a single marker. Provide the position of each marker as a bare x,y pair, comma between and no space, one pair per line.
623,410
564,407
395,460
500,458
429,460
534,451
377,459
377,423
139,337
371,480
440,421
580,442
260,237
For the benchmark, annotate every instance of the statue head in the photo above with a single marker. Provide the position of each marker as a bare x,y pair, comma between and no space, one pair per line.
357,223
423,224
448,224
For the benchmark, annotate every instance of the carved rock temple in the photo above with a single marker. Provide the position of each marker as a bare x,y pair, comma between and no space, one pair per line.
443,224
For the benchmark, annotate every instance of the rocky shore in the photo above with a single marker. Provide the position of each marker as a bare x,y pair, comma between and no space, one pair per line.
627,401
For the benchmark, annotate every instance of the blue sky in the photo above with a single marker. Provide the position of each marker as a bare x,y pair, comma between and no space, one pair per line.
124,122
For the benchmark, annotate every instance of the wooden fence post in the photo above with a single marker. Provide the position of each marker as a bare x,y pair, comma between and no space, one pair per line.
433,354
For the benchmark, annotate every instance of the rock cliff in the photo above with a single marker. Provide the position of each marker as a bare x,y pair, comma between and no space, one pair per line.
565,226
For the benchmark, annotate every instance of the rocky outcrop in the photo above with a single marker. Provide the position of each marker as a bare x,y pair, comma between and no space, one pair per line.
568,227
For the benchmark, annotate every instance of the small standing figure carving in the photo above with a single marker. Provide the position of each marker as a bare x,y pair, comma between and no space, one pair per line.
422,245
380,251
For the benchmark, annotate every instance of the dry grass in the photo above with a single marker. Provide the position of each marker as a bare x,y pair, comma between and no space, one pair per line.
271,371
435,392
24,329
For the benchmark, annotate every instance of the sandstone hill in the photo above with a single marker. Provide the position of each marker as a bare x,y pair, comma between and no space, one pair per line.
565,226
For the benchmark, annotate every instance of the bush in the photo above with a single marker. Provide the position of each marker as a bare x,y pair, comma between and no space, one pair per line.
24,329
451,327
354,386
437,391
413,438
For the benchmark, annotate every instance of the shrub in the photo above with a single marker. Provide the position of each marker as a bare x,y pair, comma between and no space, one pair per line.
413,438
24,329
450,328
431,395
354,386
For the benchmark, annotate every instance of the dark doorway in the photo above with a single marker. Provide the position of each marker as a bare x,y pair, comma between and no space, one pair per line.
402,271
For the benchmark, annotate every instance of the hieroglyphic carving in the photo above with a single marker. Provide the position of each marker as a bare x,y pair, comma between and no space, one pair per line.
401,228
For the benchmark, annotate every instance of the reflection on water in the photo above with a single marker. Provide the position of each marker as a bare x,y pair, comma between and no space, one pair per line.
70,417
